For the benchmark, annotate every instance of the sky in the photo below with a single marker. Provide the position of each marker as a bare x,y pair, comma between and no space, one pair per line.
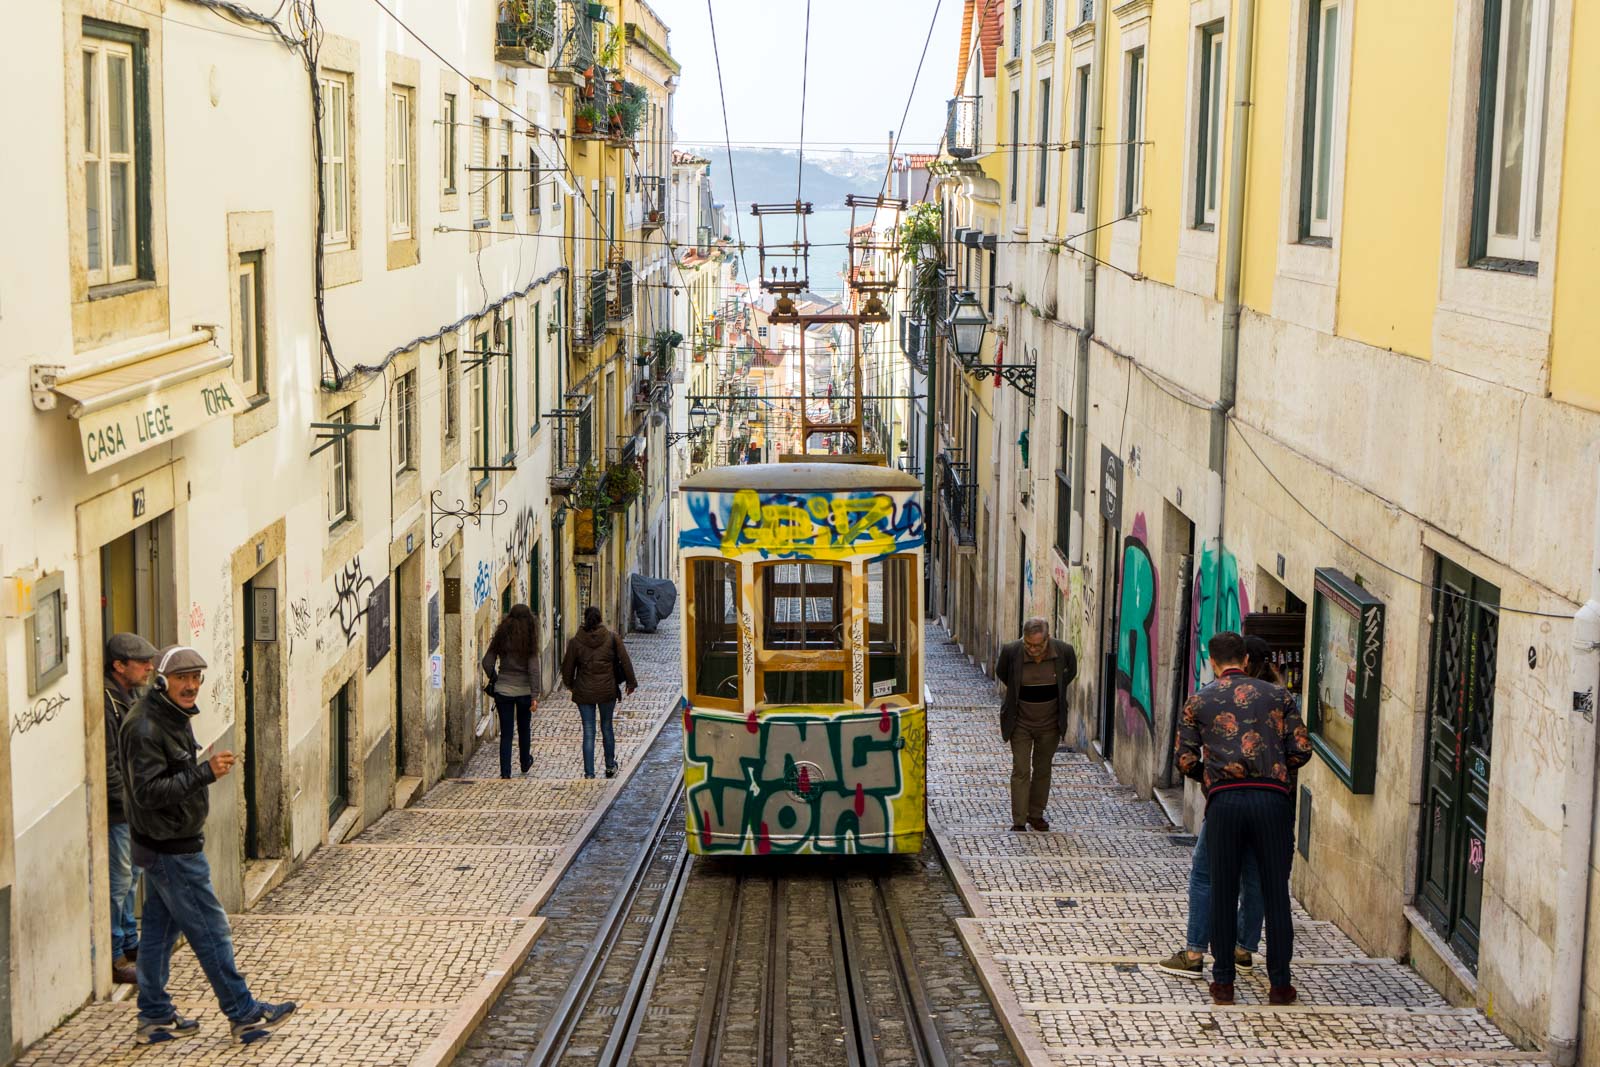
863,56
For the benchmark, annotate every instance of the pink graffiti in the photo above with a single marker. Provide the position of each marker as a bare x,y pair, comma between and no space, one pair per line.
1475,855
197,619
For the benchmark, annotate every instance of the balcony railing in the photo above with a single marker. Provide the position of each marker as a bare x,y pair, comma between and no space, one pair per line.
958,494
574,42
653,202
961,127
574,442
702,240
619,305
589,321
916,341
525,32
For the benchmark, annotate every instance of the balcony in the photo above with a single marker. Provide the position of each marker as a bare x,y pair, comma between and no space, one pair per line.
653,203
592,120
589,320
958,497
525,32
573,51
619,299
961,127
574,443
702,240
916,341
625,111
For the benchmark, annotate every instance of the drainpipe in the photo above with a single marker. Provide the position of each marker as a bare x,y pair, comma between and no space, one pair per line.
1091,206
1233,268
1577,826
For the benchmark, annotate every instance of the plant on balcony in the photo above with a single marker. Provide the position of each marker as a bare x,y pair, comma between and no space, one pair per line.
528,23
586,117
623,483
920,235
611,52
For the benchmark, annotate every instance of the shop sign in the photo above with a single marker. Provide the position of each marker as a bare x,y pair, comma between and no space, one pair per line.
159,416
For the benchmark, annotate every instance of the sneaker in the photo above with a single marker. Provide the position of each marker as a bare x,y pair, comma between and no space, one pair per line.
173,1029
1019,827
1182,965
611,771
1222,993
259,1026
527,763
1282,994
1243,960
1038,823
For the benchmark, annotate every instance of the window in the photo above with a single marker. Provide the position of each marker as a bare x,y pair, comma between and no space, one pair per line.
761,332
538,361
116,176
1208,139
335,160
1080,134
508,388
803,609
250,335
400,163
1512,104
339,475
478,180
448,152
479,402
1044,139
892,586
1064,485
1316,135
1016,28
534,179
405,420
1133,124
1016,137
1047,20
449,363
504,177
714,626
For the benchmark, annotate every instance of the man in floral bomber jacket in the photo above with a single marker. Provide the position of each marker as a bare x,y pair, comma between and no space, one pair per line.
1239,737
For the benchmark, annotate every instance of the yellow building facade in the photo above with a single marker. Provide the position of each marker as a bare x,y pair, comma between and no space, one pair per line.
1303,286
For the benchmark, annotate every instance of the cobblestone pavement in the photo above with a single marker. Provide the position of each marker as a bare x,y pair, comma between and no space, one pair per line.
1068,926
394,943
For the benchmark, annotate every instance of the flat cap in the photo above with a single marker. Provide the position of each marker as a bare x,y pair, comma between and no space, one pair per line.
180,659
125,647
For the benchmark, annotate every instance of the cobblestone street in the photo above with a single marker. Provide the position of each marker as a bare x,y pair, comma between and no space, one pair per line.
395,943
1069,924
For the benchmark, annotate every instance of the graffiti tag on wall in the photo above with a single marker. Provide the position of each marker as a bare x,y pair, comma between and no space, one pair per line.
1136,639
804,525
481,585
1219,603
352,596
786,784
42,711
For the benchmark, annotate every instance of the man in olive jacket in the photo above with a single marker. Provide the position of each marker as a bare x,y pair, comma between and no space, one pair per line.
1037,671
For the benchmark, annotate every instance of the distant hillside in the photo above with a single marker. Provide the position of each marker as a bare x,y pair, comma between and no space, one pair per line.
767,176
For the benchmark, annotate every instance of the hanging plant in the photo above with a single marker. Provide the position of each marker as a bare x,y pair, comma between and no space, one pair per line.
623,483
587,116
919,246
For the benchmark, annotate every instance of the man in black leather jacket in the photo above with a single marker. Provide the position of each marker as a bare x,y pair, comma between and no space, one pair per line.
167,807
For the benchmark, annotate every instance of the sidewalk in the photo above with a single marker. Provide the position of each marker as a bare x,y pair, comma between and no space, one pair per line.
1068,926
396,943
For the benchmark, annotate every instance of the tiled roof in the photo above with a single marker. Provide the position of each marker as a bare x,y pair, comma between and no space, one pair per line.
920,159
681,158
986,17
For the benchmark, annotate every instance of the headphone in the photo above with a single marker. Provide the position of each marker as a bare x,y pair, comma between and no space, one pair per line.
160,681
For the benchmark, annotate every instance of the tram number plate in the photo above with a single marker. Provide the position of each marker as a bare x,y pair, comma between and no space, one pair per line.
883,688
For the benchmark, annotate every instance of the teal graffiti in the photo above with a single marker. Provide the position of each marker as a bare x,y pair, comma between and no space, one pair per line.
1136,634
1220,603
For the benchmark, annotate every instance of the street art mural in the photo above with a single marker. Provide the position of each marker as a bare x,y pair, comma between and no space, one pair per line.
809,781
785,525
1137,636
1219,603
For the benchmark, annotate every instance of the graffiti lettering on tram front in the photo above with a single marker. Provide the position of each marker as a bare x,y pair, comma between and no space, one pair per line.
794,784
804,525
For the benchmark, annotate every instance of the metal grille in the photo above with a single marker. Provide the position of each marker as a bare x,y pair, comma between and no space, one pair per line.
961,126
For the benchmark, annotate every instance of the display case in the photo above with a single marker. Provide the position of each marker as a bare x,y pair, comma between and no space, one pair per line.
1345,682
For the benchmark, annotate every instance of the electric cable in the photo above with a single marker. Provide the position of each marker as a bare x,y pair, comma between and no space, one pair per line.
895,143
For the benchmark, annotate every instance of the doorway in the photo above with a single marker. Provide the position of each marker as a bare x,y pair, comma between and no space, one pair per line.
1110,601
410,741
337,739
261,705
1024,585
1455,817
136,584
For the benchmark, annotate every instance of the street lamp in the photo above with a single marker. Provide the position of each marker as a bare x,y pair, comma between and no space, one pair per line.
701,420
966,324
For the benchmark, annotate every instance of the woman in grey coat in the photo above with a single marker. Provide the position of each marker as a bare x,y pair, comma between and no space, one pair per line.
512,665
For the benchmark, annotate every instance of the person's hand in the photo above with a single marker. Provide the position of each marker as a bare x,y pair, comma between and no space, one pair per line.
631,688
533,705
222,763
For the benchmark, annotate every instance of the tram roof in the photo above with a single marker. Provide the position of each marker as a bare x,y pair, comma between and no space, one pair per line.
802,477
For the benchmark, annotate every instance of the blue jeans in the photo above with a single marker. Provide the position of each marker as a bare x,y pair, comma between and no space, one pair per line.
586,711
519,709
1250,905
179,899
124,875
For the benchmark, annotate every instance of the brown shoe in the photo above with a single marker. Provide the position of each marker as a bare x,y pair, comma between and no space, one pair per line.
1038,823
1222,992
1019,826
124,974
1282,994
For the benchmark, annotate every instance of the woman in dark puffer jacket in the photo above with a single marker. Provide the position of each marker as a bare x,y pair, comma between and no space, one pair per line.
595,663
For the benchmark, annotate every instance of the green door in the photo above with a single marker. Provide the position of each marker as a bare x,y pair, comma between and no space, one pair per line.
1455,820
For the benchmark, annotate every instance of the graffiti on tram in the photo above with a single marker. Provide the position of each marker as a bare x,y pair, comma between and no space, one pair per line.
797,783
804,525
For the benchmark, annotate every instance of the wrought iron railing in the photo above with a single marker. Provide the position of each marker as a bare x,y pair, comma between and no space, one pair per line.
961,127
589,322
525,32
573,443
574,42
620,309
652,201
958,494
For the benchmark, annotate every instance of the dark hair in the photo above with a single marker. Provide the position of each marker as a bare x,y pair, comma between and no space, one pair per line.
1258,660
591,618
1227,649
516,634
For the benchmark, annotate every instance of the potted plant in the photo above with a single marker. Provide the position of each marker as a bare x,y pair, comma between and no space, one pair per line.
623,484
586,117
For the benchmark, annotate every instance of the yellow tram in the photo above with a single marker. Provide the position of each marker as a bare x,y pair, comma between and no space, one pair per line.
803,724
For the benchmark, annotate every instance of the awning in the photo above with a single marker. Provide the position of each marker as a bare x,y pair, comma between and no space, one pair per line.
136,401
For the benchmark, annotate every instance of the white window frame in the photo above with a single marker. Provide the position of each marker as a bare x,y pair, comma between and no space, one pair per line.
1523,245
335,174
1210,126
504,177
477,398
1042,171
249,332
99,159
405,423
1127,229
1321,121
450,368
478,179
449,161
1016,29
1135,77
340,482
400,163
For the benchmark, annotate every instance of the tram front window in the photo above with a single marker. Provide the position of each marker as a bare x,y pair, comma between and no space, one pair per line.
716,628
891,612
804,605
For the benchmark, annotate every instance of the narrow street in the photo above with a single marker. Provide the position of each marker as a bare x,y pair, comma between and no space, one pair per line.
393,944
